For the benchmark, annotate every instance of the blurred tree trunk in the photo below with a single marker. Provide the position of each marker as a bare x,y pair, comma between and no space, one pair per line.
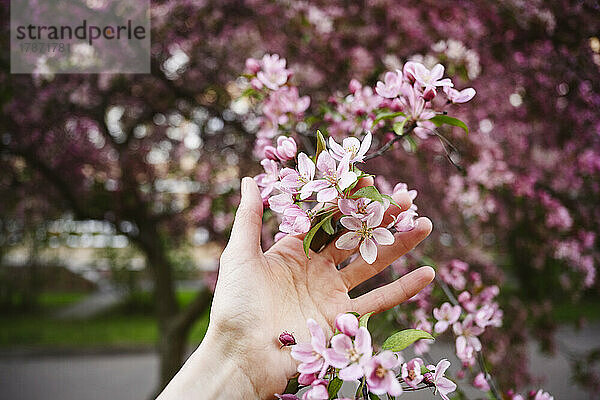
174,323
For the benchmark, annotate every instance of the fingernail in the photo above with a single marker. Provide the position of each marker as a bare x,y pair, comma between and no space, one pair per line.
245,183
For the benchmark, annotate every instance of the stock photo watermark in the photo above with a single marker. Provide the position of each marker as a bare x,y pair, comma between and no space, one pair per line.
80,36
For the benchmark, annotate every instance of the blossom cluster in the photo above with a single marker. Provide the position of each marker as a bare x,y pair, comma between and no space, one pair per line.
310,190
349,357
414,93
306,191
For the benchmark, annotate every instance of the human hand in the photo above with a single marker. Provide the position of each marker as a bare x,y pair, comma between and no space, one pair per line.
259,295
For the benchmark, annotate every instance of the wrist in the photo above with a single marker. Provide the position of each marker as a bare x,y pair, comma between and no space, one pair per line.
213,371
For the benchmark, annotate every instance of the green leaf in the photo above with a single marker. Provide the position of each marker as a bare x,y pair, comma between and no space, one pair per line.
321,144
370,192
399,127
386,196
328,227
401,340
334,387
373,396
309,236
364,320
444,119
292,386
387,115
413,144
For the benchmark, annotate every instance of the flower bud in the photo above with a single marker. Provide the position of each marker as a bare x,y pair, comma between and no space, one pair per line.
252,66
354,85
481,383
429,94
286,148
306,379
271,153
256,84
347,324
286,339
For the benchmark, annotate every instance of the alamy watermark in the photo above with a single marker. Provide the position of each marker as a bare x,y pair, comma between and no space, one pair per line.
80,36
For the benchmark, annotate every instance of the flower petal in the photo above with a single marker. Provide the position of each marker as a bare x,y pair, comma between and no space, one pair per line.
368,251
306,166
351,223
335,358
347,179
363,342
327,194
341,343
365,145
325,162
348,241
351,373
383,236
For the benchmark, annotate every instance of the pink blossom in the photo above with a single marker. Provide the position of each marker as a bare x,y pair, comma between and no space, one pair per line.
403,188
430,79
379,371
456,96
286,396
347,324
273,73
467,333
311,355
295,221
405,221
252,65
333,178
346,354
286,339
282,102
446,316
279,203
268,181
351,146
360,208
488,315
286,148
541,395
306,379
317,391
411,372
442,384
481,383
453,274
292,180
271,153
366,233
390,87
414,104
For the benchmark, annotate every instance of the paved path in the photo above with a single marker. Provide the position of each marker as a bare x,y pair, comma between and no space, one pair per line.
132,376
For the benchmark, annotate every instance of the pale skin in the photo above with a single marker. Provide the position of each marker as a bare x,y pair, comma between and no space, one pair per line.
261,294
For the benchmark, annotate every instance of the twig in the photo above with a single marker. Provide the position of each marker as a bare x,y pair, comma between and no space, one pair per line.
446,290
488,377
480,358
389,144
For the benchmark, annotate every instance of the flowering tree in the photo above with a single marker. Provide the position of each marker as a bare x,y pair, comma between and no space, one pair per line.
109,147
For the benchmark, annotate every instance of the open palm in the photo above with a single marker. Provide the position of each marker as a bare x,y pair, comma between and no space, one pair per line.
260,295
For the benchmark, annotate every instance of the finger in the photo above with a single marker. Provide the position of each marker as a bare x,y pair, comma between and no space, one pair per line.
245,234
359,271
337,255
394,293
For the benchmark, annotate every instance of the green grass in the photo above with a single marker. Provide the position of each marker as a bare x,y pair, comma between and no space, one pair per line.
117,330
55,300
113,328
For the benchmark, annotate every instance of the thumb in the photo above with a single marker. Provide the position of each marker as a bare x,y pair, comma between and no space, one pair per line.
246,231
